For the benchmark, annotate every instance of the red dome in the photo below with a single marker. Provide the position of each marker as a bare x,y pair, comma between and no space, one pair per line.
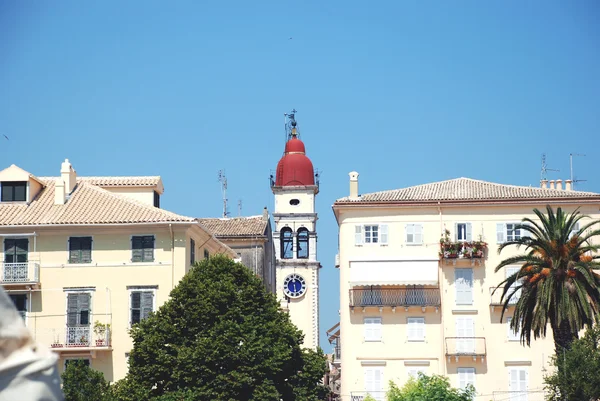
295,168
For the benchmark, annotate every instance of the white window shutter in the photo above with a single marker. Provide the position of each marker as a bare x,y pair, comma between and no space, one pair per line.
383,234
469,232
500,233
456,232
418,234
410,234
358,235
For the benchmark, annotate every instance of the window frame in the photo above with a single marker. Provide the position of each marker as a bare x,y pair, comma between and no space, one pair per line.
374,321
305,242
13,185
140,289
511,336
142,236
360,234
416,369
192,251
283,240
414,234
156,201
456,287
24,315
69,249
410,338
465,370
206,254
468,232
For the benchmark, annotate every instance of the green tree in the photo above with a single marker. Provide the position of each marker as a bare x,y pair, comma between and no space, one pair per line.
81,383
435,388
557,278
221,336
578,378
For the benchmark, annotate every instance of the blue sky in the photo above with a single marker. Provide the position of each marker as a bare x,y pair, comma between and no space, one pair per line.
403,92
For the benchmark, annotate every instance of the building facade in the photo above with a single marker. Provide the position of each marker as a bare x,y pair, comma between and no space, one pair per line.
295,237
407,305
84,258
252,239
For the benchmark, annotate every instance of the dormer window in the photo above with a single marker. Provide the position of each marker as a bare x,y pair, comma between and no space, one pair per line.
156,199
15,191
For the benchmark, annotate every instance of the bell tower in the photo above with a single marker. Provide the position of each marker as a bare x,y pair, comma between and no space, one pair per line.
294,188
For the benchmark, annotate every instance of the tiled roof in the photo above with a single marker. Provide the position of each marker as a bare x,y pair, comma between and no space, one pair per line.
88,204
236,226
467,189
143,181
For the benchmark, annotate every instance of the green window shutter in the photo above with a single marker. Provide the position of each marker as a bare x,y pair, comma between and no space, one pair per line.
72,309
147,302
86,249
148,248
74,248
84,309
135,307
137,250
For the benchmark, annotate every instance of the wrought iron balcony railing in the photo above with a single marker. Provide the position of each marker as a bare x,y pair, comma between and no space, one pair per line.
72,337
465,346
405,296
20,273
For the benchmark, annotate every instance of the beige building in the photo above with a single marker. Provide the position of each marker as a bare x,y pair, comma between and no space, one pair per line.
405,309
252,239
81,253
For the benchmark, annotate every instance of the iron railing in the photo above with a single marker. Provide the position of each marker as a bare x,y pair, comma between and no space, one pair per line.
14,273
337,351
465,346
405,296
72,337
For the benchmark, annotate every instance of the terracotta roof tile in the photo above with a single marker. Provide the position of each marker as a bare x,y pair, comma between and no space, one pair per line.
141,181
236,226
87,204
467,189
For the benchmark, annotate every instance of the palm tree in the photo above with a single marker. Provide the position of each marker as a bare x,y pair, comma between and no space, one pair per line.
557,281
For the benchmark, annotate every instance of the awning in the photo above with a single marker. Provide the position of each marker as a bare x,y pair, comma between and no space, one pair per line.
396,272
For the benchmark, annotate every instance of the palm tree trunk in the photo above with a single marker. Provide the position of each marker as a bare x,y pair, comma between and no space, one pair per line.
563,337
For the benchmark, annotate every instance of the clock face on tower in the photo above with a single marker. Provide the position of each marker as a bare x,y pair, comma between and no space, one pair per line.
294,286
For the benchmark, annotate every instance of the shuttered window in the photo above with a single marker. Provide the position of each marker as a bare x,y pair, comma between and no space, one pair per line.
463,281
517,380
416,329
466,376
80,250
78,309
142,248
512,335
15,250
374,382
14,191
414,234
372,329
192,251
464,231
510,270
413,371
142,303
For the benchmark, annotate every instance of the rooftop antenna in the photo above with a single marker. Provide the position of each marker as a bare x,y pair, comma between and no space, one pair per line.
239,208
574,179
545,168
223,181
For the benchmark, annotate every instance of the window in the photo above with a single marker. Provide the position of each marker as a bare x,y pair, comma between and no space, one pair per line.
287,243
413,371
206,254
464,231
463,282
465,331
372,329
80,250
156,199
510,270
15,250
14,191
142,303
294,202
512,336
517,384
192,251
507,232
374,382
466,376
416,329
85,361
20,302
414,234
142,248
78,309
302,239
574,230
371,234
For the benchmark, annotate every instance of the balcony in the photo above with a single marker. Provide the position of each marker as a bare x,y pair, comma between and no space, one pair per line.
495,297
404,296
466,347
82,338
361,395
20,274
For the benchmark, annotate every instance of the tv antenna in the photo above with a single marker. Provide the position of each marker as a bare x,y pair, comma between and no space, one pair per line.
545,168
574,179
223,181
239,208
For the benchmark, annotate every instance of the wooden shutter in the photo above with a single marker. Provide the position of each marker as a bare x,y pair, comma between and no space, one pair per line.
148,245
383,234
86,249
137,249
74,246
463,281
500,233
358,240
136,303
147,303
510,270
416,329
469,232
418,229
78,309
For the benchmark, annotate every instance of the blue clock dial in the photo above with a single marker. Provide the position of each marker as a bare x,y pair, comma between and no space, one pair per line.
294,286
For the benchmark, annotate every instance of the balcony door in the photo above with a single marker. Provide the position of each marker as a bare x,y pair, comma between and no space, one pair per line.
374,382
78,319
15,259
465,331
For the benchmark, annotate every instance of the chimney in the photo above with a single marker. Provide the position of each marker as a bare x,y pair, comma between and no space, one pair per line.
353,185
68,176
59,192
568,186
265,214
551,184
544,184
559,184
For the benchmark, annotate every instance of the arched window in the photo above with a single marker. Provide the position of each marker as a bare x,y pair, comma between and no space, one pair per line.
286,238
302,239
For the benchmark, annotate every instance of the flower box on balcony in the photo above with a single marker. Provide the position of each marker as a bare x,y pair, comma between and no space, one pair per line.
449,249
474,249
100,343
56,345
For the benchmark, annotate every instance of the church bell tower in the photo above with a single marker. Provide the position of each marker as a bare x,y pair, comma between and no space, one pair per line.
295,187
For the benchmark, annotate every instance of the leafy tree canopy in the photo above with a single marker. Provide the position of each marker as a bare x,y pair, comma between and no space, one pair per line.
81,383
221,336
578,378
431,388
